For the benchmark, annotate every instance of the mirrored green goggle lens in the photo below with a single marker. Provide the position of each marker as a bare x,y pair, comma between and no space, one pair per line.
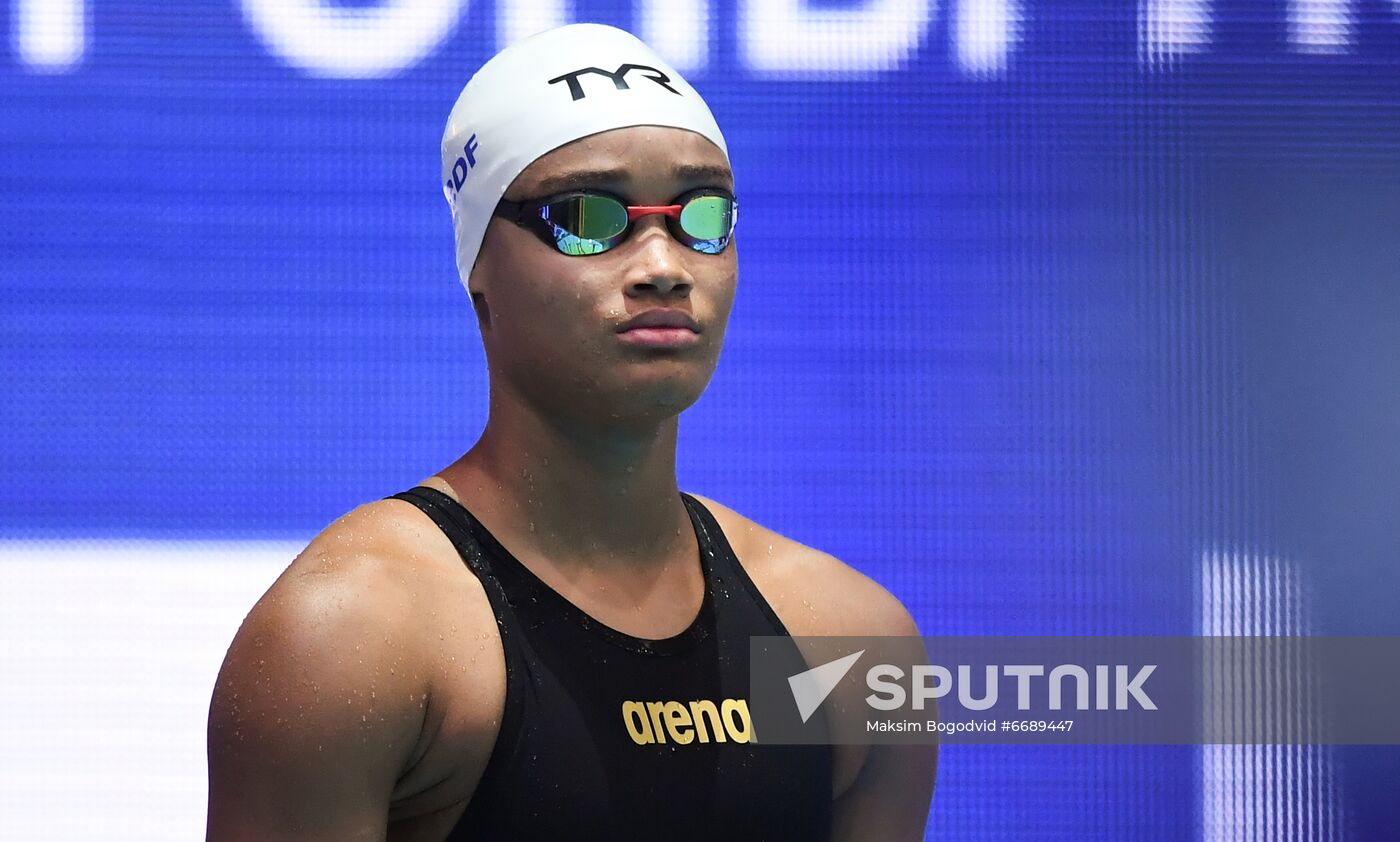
584,224
707,217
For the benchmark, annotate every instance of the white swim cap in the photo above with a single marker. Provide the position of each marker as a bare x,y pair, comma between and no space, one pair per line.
543,92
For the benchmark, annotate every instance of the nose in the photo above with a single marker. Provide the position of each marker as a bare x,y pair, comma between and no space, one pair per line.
656,265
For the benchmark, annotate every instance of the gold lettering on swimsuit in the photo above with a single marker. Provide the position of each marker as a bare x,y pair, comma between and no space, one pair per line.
683,723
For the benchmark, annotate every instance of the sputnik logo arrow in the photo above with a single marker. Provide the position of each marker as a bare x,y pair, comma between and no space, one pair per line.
810,688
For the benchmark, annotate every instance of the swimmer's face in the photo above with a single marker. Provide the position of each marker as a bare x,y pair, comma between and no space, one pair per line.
550,322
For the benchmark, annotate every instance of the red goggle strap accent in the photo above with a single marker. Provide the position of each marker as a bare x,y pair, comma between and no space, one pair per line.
636,212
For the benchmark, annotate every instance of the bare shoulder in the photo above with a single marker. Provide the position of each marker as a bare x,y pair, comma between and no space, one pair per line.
813,592
374,566
353,591
324,704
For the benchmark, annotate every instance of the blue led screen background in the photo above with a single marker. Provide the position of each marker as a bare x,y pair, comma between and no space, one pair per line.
1052,317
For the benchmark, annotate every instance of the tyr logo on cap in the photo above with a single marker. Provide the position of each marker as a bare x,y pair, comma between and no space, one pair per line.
619,78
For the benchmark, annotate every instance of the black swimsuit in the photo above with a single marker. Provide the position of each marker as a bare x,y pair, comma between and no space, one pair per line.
612,737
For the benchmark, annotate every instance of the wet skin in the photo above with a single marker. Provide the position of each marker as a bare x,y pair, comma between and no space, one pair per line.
363,694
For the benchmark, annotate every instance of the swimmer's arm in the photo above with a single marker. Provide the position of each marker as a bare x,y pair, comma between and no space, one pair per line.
317,708
889,799
890,795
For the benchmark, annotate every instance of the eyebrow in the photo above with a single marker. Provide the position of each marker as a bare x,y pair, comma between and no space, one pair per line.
611,177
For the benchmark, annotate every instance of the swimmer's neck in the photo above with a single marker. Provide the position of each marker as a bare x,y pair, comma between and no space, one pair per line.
605,499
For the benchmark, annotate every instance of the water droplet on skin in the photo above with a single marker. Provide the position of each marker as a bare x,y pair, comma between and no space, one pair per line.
532,526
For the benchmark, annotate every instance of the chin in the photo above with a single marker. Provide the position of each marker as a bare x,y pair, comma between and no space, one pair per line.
655,399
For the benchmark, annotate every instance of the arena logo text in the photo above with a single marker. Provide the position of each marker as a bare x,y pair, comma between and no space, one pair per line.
683,723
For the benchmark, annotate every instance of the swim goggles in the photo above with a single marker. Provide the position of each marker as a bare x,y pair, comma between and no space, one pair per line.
590,222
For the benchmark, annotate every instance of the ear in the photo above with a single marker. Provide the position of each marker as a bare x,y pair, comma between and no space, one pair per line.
478,279
483,310
476,288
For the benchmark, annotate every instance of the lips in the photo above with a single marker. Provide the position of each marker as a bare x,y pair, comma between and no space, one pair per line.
661,317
